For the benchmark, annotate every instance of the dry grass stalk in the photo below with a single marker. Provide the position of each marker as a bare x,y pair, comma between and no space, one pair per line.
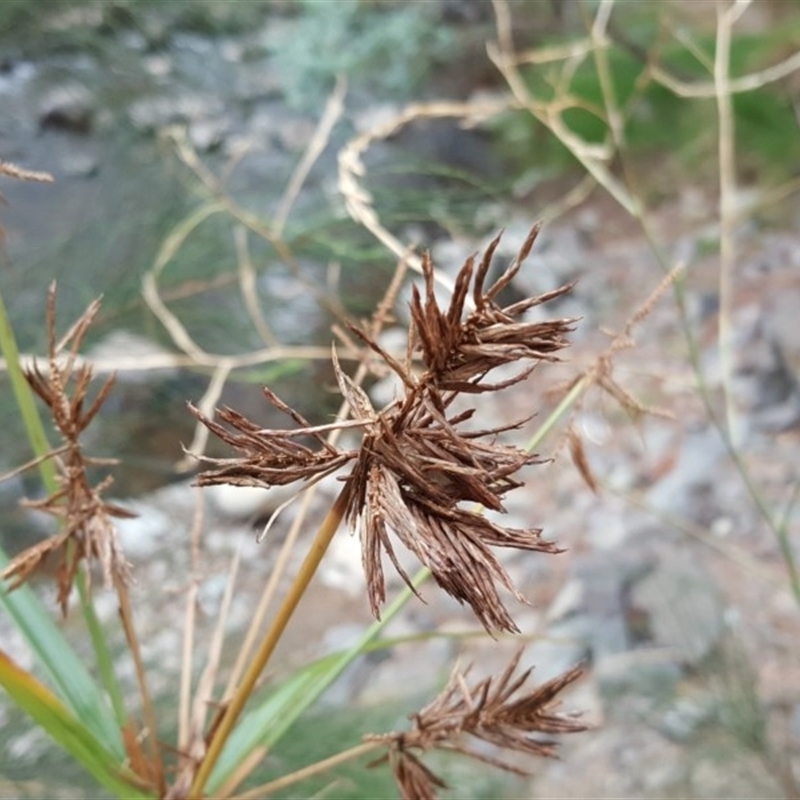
417,467
20,174
487,711
87,531
9,170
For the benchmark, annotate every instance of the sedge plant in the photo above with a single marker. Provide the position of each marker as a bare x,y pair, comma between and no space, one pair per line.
419,475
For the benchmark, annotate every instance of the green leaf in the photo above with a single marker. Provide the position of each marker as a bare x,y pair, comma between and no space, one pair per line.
266,724
263,726
67,730
64,669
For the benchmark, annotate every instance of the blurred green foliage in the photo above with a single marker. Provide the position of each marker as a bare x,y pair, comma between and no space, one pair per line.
657,121
386,51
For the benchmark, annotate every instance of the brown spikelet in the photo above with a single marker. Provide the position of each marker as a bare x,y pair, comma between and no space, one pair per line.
86,532
579,459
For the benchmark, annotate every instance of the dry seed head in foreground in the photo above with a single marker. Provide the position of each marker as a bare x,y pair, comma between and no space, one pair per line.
496,710
419,473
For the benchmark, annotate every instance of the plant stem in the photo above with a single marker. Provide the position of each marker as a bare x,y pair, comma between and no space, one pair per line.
555,415
318,688
309,771
242,694
27,408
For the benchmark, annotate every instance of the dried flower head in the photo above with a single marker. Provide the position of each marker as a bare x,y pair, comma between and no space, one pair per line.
86,531
487,711
420,473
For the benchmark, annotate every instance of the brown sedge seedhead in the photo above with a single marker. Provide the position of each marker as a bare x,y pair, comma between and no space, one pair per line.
86,532
497,710
419,474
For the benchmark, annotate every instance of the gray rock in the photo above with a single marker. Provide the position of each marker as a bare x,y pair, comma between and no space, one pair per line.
606,579
680,722
150,114
684,609
693,473
764,385
69,107
561,648
647,673
208,133
78,165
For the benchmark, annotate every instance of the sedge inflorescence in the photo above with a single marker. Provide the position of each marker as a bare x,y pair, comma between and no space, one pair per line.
421,474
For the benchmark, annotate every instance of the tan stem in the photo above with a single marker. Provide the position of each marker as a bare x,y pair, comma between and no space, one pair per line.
308,772
242,694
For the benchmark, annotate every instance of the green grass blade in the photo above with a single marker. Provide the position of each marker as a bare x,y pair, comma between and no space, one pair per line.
64,669
25,402
67,730
266,724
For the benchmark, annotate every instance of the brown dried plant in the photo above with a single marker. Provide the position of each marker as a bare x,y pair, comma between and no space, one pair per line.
86,531
486,711
419,473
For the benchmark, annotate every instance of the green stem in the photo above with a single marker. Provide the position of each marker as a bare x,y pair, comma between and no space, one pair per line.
555,415
105,662
25,402
308,772
347,658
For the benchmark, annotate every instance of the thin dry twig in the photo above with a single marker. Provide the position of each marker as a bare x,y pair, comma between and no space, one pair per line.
249,287
601,371
358,201
595,158
330,116
710,89
726,18
13,171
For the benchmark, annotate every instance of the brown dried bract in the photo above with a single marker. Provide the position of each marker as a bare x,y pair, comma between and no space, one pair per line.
487,711
86,531
420,474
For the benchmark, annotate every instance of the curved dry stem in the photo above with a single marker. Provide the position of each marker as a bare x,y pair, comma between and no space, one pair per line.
249,288
747,83
358,201
593,158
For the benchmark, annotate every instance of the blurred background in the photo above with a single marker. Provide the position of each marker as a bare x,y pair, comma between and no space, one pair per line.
234,178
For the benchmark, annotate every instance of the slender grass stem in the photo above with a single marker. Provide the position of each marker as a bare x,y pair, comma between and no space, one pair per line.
555,415
105,661
310,771
126,614
25,402
243,692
